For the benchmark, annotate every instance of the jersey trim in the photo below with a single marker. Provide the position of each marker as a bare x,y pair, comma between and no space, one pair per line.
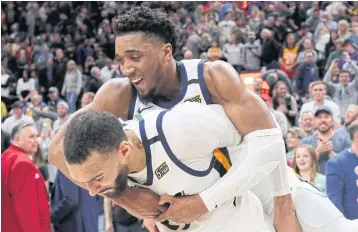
203,87
172,156
148,153
132,103
183,88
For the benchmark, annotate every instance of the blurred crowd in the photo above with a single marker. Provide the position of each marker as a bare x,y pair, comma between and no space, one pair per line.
56,55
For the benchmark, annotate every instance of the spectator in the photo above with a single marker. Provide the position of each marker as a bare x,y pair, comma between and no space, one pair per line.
289,53
307,73
323,39
354,33
270,47
24,86
188,55
344,92
54,99
194,42
71,205
313,20
325,141
59,68
225,27
96,81
233,53
252,54
336,54
87,98
285,102
350,118
350,48
72,85
279,116
63,115
319,91
293,139
24,198
306,166
17,116
214,52
106,73
307,47
343,30
341,178
307,123
325,22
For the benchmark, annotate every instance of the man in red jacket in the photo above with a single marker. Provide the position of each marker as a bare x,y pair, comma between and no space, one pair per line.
25,203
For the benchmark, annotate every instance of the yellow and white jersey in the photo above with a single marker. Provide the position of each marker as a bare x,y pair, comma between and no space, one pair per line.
182,159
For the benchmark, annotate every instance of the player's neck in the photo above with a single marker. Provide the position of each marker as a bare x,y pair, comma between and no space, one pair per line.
137,160
171,81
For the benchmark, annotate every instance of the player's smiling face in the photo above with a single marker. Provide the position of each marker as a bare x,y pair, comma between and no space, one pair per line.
102,174
141,59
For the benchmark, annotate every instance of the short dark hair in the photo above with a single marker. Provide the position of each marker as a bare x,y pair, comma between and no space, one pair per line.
92,131
344,71
353,129
148,21
19,127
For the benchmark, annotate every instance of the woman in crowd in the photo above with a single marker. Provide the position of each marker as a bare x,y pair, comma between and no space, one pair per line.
293,139
305,165
343,29
24,85
289,55
284,102
72,86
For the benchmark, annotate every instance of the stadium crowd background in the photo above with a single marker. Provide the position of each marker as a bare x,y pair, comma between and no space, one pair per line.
300,57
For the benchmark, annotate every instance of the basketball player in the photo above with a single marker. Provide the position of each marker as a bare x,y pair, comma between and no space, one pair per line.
145,41
166,145
173,152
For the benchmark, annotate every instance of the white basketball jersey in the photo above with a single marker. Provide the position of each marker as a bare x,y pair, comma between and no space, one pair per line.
193,89
167,174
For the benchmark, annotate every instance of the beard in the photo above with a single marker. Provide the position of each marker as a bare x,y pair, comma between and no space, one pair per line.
120,183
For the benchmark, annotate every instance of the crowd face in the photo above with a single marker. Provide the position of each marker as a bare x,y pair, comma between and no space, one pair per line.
17,112
351,115
324,122
292,141
27,139
282,90
62,111
307,122
319,92
344,78
303,159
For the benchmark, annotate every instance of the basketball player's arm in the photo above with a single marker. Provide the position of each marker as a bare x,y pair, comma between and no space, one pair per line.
114,97
252,118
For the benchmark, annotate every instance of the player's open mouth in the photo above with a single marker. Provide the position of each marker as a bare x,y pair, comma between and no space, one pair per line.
137,81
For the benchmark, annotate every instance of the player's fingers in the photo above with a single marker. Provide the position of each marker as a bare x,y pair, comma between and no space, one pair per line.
164,216
166,199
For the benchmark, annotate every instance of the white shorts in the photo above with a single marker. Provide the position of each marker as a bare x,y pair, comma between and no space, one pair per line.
315,212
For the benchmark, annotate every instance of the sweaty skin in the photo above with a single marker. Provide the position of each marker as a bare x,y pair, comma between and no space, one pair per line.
246,111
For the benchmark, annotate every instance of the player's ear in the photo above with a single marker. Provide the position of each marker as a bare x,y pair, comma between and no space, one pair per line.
168,52
124,150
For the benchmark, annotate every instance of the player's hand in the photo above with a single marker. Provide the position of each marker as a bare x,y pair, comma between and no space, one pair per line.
140,202
150,225
185,209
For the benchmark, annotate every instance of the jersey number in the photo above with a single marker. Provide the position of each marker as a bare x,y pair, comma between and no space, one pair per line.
176,227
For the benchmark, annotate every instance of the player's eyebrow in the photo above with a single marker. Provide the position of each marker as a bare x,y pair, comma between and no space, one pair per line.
84,182
131,51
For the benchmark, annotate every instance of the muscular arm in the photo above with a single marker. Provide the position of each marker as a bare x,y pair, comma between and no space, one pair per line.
114,97
249,114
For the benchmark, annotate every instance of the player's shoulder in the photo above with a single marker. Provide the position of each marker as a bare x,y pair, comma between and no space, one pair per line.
114,96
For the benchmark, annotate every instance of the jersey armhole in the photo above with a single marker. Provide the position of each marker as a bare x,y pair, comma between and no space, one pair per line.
203,87
132,104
